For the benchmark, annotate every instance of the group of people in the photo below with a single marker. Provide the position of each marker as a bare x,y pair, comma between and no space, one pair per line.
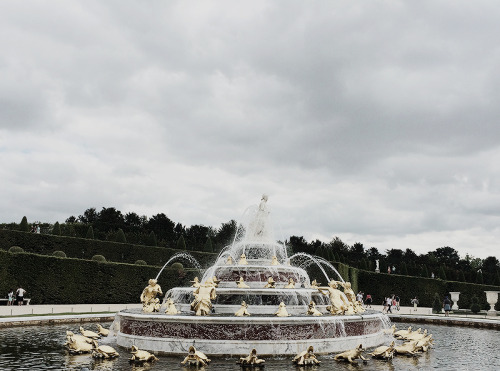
390,302
18,296
366,301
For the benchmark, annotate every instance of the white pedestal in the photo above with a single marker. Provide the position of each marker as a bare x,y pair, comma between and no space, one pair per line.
454,298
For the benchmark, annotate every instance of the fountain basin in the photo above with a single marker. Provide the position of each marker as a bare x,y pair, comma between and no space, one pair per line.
229,335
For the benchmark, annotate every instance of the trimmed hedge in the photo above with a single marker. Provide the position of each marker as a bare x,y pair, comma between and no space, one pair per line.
82,248
52,280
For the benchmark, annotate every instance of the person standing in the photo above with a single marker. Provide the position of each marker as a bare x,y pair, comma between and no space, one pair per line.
10,297
447,306
389,304
368,301
414,301
397,302
20,295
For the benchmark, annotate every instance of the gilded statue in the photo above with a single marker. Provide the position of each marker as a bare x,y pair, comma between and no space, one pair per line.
215,281
141,356
203,296
251,359
306,358
78,343
282,312
338,301
104,351
351,355
195,358
195,282
241,284
315,284
290,284
229,260
354,305
243,311
407,348
275,261
89,334
102,331
383,352
402,333
312,311
270,283
243,260
171,309
150,303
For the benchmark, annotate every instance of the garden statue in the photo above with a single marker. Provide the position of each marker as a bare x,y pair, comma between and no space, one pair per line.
78,343
402,333
102,331
251,359
203,296
196,282
315,284
241,284
229,260
275,261
243,260
351,355
150,303
354,305
243,311
383,352
312,311
195,358
377,268
338,301
306,358
291,284
171,309
89,334
141,356
270,283
406,348
282,312
104,351
215,281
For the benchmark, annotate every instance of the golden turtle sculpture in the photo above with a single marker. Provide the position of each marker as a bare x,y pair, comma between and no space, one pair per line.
77,344
383,352
102,331
141,356
351,355
306,358
89,334
195,358
251,360
401,333
408,348
104,351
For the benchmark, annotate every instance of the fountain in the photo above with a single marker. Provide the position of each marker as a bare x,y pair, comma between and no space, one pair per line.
254,298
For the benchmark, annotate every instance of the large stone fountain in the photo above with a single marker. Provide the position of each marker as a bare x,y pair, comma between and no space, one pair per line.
253,297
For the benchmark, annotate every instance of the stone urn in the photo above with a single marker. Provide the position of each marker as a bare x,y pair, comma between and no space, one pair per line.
492,298
454,298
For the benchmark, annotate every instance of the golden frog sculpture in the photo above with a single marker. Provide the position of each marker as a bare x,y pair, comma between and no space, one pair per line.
306,358
270,283
149,300
203,296
171,309
383,352
195,358
243,311
229,260
291,284
251,359
104,351
351,355
312,311
243,260
79,344
274,261
338,301
282,312
241,284
102,331
141,356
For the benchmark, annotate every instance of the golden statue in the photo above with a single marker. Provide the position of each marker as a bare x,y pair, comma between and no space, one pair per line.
282,311
306,357
104,351
270,283
195,358
102,331
415,335
351,355
241,284
78,343
171,309
243,311
141,356
423,344
315,285
275,261
338,301
196,282
215,281
150,303
383,352
251,359
354,305
89,334
203,296
402,333
229,260
312,311
291,284
243,260
406,348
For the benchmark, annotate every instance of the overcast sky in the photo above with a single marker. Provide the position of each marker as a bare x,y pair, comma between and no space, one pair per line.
376,122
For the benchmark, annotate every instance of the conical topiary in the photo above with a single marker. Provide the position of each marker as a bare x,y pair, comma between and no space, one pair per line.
120,236
23,227
90,233
56,230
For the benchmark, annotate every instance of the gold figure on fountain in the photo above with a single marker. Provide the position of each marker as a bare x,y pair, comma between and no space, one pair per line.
195,282
243,260
243,311
251,359
241,284
270,283
104,351
89,334
229,260
351,355
215,281
203,296
338,301
102,331
282,312
76,343
275,261
291,284
383,352
150,303
315,284
306,358
312,311
171,309
355,306
195,358
141,356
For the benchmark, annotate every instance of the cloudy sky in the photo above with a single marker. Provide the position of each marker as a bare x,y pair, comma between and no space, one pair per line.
376,122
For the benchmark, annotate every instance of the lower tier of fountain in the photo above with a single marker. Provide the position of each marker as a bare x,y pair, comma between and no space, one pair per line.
229,335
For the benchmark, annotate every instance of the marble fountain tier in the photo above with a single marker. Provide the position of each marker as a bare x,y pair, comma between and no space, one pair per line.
255,298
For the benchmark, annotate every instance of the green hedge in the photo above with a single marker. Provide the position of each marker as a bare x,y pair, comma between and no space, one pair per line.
82,248
53,280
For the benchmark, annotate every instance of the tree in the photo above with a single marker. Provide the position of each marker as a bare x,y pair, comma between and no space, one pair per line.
133,222
120,236
90,233
71,219
208,245
226,232
461,276
89,216
56,230
479,277
436,304
181,244
404,269
357,252
298,244
447,255
23,227
442,273
109,219
424,272
152,241
163,227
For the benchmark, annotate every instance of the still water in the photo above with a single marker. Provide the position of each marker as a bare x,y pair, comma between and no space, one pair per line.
41,348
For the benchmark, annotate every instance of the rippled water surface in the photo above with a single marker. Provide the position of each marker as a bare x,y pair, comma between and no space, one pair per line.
41,348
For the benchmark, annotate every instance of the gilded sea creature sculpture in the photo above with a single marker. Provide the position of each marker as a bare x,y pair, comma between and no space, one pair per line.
270,283
243,260
424,344
195,282
338,301
241,284
79,343
354,305
171,309
351,355
406,348
141,356
401,333
89,334
195,358
102,331
243,311
215,281
229,260
312,311
104,351
390,330
203,296
315,284
290,284
306,358
251,359
282,312
149,300
383,352
274,261
416,335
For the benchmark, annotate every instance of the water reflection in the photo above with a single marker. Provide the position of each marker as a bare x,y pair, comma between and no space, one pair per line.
41,348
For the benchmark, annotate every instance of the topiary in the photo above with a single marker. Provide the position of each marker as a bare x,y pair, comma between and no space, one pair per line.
140,262
59,254
16,249
475,307
177,266
436,304
99,258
